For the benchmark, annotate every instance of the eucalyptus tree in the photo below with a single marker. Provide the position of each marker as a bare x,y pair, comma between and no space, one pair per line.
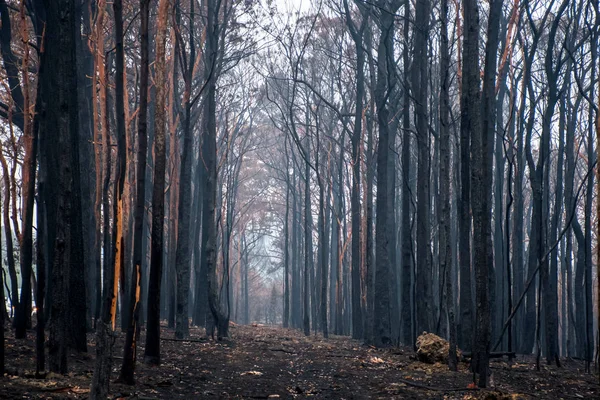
423,278
60,121
481,156
357,32
445,216
152,349
184,208
385,88
130,349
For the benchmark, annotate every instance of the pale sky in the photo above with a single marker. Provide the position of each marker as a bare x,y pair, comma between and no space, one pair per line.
293,5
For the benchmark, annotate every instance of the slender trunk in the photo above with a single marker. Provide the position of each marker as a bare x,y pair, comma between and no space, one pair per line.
40,339
286,245
308,250
183,253
119,203
468,105
296,306
338,250
419,72
130,350
588,307
2,317
406,234
152,350
10,250
323,239
385,87
357,35
209,152
547,272
29,172
471,132
598,196
482,143
105,324
444,215
368,236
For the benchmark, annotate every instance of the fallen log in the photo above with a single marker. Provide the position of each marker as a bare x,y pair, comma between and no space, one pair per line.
493,354
184,340
434,388
282,350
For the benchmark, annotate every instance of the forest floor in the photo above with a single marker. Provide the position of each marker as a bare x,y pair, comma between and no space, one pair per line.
265,362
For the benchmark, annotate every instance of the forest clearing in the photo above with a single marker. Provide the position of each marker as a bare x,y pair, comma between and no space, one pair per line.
268,362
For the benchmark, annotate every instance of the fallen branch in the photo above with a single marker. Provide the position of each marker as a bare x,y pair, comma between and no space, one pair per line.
493,354
341,355
67,389
436,389
184,340
283,350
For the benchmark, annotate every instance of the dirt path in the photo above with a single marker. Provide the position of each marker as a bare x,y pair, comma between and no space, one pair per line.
263,362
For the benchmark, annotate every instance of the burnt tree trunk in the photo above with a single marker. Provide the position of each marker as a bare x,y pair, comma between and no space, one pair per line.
424,275
183,253
152,350
59,120
444,215
130,350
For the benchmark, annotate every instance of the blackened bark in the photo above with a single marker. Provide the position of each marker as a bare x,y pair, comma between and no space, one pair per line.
245,294
296,306
357,36
130,350
337,247
471,131
183,253
369,240
588,307
444,215
538,231
40,338
2,316
14,300
59,120
481,178
323,241
77,288
152,350
468,105
385,87
550,299
308,250
107,265
209,152
569,198
118,241
29,172
286,243
86,139
419,73
518,226
201,297
406,234
597,9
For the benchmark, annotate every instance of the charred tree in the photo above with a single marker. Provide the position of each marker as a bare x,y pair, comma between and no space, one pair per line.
59,121
445,216
130,350
152,350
